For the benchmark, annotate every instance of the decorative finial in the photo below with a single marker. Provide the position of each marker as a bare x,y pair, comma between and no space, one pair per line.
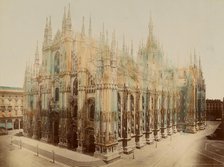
90,27
69,12
123,43
132,49
83,25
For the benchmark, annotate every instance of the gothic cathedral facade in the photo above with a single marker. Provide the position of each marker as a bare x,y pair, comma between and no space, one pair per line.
87,94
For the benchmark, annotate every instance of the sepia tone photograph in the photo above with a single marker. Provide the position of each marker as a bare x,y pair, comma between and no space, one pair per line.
111,83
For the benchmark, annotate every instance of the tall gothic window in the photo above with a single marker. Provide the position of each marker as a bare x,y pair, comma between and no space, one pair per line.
119,113
143,112
143,103
91,109
75,112
75,87
57,94
56,63
31,102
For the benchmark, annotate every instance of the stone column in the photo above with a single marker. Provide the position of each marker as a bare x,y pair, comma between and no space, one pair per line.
164,116
138,126
82,83
175,114
169,114
157,117
127,145
149,133
106,132
191,116
63,142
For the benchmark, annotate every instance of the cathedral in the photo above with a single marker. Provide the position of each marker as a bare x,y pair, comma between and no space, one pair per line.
87,94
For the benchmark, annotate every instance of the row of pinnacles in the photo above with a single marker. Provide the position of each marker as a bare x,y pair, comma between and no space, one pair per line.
89,95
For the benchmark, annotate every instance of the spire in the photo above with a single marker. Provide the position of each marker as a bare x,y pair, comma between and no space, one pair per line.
46,33
195,58
123,43
107,40
37,55
199,62
191,59
150,26
113,42
113,46
50,22
150,36
139,49
132,49
83,26
26,65
64,18
64,21
117,47
69,22
90,27
103,34
49,31
69,12
46,25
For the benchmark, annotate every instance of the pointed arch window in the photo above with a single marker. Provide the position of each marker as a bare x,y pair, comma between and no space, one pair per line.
91,104
143,103
57,63
75,87
57,94
75,112
143,113
92,111
132,114
31,102
119,113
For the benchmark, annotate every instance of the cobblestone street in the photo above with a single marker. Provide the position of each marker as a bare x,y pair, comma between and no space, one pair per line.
180,149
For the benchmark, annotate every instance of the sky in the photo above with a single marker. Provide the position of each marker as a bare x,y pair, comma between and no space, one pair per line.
181,26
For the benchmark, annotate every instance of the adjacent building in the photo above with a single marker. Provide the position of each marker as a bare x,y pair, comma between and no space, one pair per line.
11,107
214,109
88,94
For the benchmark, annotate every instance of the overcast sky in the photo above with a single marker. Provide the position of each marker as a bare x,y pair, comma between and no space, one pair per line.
180,25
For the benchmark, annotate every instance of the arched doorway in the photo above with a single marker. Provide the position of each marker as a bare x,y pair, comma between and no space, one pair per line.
21,124
91,109
73,130
90,140
73,121
72,136
91,144
54,127
16,124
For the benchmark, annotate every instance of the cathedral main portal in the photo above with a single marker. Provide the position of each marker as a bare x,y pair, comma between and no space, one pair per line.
54,127
89,142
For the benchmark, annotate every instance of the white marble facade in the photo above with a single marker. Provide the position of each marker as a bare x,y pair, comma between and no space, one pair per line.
86,93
